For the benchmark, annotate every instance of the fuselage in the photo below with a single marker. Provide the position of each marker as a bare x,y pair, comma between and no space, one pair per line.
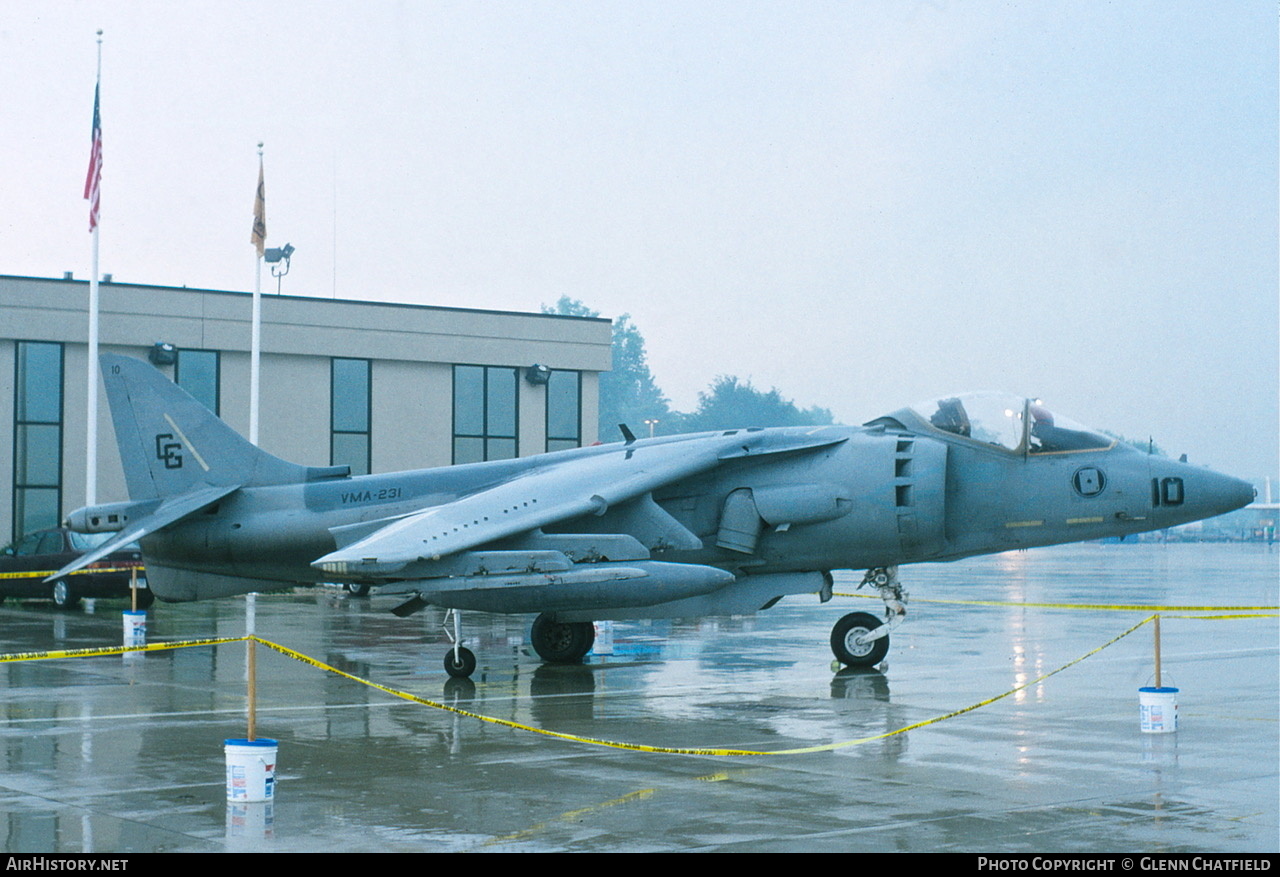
711,523
894,492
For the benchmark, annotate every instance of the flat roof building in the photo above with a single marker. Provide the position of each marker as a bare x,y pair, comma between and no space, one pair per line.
375,386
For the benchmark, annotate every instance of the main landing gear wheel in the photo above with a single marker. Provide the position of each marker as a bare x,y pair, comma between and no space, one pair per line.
463,666
562,642
846,647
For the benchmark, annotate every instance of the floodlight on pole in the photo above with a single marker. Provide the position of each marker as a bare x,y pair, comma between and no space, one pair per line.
278,259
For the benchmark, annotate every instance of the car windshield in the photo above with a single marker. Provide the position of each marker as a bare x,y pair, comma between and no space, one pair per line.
87,541
1009,422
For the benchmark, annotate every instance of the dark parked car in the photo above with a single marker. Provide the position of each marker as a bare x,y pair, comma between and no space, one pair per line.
26,564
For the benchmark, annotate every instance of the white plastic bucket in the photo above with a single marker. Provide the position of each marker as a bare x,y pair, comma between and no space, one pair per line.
135,627
604,638
1158,709
251,769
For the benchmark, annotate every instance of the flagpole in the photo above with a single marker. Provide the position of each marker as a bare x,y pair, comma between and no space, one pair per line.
91,417
255,345
259,240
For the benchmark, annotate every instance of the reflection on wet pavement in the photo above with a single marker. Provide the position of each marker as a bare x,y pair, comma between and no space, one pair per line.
124,754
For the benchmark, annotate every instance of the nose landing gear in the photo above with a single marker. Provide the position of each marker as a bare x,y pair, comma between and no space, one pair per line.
851,640
859,639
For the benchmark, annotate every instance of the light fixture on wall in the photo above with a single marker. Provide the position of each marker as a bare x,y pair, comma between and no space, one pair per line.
162,353
538,375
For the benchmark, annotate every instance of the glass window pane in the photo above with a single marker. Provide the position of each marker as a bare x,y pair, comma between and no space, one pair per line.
562,444
468,396
35,508
351,449
351,395
501,402
39,390
562,406
37,455
501,449
484,409
197,373
468,450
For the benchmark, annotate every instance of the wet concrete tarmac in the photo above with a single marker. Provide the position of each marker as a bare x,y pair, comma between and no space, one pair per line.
124,754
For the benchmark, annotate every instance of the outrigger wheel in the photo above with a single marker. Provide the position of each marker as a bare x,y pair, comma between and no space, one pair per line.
562,642
461,665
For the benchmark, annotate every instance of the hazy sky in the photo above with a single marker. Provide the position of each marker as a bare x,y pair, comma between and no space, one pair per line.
863,204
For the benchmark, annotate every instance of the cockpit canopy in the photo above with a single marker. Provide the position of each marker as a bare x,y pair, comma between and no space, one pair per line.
1005,421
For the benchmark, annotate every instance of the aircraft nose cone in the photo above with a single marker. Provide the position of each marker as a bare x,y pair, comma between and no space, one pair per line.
1243,493
1217,494
1233,493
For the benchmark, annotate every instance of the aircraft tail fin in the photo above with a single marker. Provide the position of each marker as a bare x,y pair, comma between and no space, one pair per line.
170,444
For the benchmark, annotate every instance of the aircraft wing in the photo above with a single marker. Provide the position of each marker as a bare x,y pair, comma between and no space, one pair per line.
166,513
553,493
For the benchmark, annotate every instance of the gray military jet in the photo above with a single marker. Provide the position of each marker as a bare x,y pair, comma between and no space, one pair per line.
708,524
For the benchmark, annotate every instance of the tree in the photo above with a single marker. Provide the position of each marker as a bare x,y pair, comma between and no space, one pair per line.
628,393
730,403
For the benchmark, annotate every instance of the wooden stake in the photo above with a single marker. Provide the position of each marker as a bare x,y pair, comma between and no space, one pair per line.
251,662
1158,650
253,690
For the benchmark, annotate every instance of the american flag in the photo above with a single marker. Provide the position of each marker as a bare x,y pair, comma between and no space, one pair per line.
93,180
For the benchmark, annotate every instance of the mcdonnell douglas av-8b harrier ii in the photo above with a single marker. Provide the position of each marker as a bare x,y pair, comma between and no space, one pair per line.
714,523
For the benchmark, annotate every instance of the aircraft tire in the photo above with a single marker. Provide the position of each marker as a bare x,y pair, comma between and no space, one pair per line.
844,641
562,642
64,597
465,666
145,598
357,589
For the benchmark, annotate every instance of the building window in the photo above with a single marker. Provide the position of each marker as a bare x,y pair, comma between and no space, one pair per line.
350,414
198,372
564,410
484,413
37,437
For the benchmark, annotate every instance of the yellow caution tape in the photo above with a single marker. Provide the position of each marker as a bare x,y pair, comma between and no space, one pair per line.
1231,617
637,747
575,738
960,712
506,723
88,570
572,817
1092,607
115,650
